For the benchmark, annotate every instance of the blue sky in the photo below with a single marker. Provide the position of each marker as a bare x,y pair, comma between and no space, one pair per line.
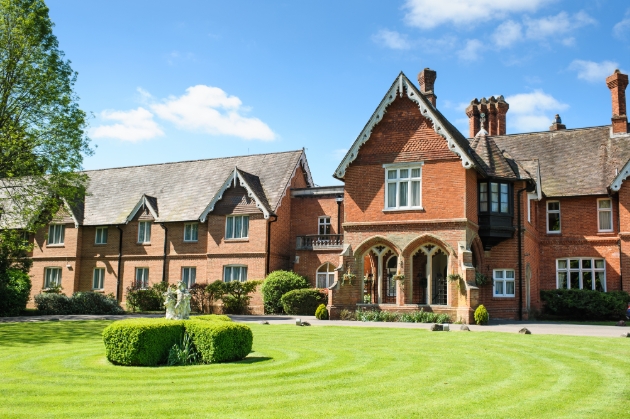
170,81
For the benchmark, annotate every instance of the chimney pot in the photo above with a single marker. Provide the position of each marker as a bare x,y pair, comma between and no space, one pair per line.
426,80
617,83
495,110
557,124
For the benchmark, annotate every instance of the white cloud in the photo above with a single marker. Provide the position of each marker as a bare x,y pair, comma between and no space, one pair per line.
593,72
133,125
391,39
560,24
507,33
211,110
533,111
621,29
471,51
428,14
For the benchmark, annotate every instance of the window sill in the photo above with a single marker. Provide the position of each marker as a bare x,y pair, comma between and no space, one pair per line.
403,209
501,297
56,245
99,290
554,233
606,232
100,244
236,240
144,244
191,241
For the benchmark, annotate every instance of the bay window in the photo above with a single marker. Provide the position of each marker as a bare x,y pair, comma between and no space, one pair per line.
494,197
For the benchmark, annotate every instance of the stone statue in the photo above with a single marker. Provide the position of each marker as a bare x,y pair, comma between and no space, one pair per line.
177,303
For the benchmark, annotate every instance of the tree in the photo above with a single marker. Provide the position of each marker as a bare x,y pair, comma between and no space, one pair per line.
42,131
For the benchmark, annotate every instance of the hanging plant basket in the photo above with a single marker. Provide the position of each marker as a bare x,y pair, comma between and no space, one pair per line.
399,277
348,276
480,279
454,278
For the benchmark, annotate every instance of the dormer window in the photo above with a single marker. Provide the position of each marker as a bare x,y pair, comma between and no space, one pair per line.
494,197
403,186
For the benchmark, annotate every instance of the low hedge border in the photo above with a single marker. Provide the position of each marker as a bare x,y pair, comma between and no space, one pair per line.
146,342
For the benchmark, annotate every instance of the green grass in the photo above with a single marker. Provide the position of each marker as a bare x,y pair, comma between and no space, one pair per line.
59,370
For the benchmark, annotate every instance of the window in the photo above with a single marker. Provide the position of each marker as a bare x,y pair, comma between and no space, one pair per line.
191,232
189,276
52,277
403,188
25,236
553,217
503,282
142,277
98,278
56,233
325,276
101,235
604,214
237,227
324,225
235,273
495,197
581,273
144,232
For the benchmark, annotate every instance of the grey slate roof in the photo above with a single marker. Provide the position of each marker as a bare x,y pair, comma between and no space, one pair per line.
572,162
490,159
182,190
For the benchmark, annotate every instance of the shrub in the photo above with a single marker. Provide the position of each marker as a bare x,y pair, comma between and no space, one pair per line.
15,290
142,341
213,317
237,296
302,301
146,299
52,303
322,312
347,315
79,303
220,341
481,315
586,304
420,316
276,285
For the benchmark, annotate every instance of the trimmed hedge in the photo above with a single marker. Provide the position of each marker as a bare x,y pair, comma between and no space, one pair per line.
276,285
586,304
147,342
79,303
220,341
141,341
212,317
303,301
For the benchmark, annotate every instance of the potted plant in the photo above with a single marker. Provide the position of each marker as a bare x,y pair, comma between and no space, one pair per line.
480,279
348,276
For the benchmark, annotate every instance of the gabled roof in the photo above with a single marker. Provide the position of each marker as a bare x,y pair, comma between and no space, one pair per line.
184,189
402,86
147,202
490,159
573,162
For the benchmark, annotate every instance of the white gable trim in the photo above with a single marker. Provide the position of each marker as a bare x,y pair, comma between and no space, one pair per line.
76,222
309,179
426,111
621,176
143,201
219,195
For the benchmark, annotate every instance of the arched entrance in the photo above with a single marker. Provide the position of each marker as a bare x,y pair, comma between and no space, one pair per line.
429,267
380,264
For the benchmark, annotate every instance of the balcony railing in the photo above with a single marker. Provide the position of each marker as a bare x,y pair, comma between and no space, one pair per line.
319,241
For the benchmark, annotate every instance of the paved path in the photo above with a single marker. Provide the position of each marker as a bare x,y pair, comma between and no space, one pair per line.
507,326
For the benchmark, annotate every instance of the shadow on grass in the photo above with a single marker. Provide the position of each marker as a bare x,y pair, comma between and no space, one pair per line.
40,333
253,360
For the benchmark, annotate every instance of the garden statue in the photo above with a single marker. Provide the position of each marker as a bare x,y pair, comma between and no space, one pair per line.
177,303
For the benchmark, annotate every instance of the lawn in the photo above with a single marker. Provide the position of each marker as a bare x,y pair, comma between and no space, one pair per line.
58,369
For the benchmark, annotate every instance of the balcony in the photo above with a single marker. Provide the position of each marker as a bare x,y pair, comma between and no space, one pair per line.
319,242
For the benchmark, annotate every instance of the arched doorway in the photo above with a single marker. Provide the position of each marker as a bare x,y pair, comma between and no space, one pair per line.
429,267
325,276
379,285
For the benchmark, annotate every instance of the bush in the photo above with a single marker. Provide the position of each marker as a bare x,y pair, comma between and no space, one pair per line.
236,296
220,341
146,299
481,315
322,312
347,315
141,341
276,285
585,304
213,317
302,301
79,303
15,290
420,316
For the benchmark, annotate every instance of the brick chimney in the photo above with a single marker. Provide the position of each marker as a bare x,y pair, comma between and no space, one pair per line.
426,80
557,124
494,110
617,83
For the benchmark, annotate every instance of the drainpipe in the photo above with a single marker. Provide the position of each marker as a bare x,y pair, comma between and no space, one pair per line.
120,242
619,244
275,218
520,254
339,201
165,248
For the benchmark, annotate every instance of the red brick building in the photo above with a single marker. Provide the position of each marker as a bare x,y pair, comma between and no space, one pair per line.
423,211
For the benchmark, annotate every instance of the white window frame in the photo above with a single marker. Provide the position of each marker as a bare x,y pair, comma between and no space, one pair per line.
50,279
98,278
189,275
503,280
601,210
144,233
231,235
324,221
398,180
242,275
142,277
56,234
530,197
103,235
558,211
581,269
327,277
191,232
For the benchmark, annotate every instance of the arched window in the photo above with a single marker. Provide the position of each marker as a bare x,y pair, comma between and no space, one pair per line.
325,276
